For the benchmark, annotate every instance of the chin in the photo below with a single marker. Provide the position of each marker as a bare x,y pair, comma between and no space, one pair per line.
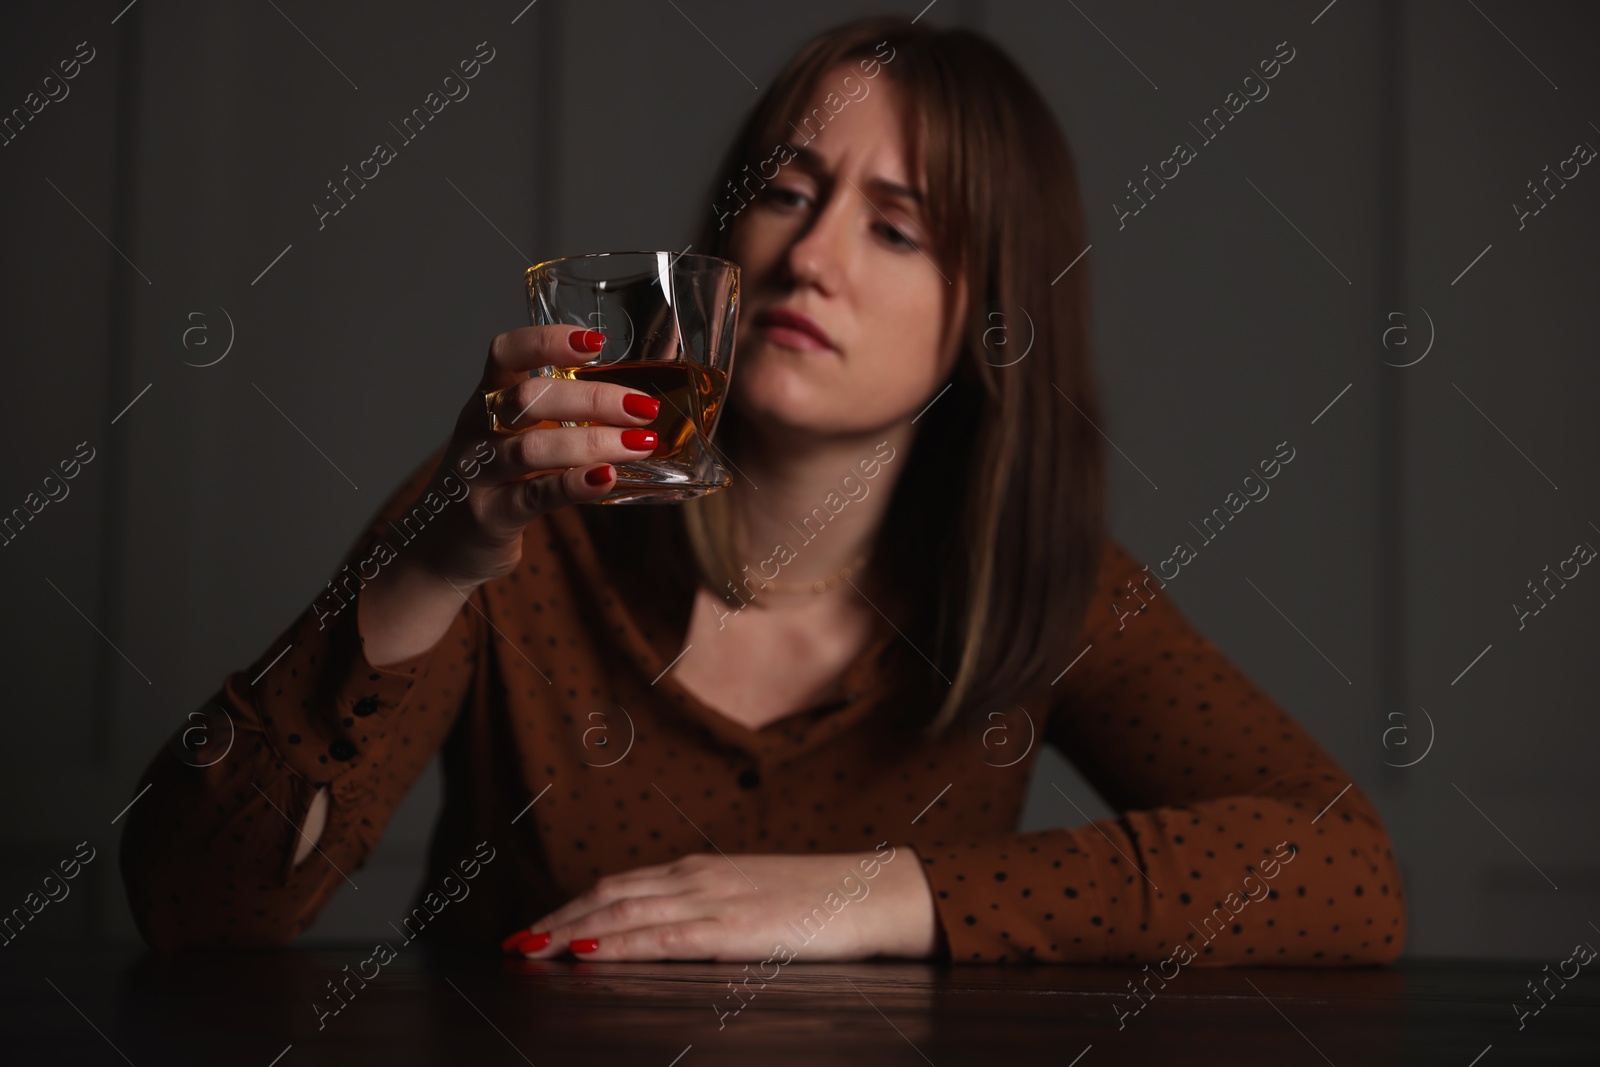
767,375
776,397
775,404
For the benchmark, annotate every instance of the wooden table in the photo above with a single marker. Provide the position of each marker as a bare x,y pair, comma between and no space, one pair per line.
124,1005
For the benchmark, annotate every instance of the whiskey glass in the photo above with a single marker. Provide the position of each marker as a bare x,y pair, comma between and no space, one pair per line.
669,319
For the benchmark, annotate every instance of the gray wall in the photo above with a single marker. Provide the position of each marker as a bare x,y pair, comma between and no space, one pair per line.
1252,292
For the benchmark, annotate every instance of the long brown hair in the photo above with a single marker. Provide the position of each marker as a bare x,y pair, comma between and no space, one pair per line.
995,529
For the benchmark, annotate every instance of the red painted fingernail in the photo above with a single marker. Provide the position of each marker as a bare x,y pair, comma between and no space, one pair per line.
598,476
586,340
639,440
524,941
585,944
641,406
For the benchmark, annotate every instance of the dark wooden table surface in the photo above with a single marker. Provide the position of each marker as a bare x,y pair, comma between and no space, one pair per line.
125,1005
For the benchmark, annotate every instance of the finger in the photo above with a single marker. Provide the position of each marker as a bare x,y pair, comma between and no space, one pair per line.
534,400
629,913
611,905
516,352
511,507
660,879
695,939
654,879
608,893
655,872
555,448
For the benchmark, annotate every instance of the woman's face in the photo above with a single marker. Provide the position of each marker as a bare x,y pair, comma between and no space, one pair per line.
838,235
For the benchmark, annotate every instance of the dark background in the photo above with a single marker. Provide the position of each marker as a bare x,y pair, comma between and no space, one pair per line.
1251,294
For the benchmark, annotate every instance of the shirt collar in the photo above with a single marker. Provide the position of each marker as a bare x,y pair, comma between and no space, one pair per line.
648,624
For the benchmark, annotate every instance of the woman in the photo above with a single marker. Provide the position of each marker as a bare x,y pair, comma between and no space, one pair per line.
651,751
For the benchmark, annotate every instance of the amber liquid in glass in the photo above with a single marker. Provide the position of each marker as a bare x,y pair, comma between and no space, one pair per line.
690,395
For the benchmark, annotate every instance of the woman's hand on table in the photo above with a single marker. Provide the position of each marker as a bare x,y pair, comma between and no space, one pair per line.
844,906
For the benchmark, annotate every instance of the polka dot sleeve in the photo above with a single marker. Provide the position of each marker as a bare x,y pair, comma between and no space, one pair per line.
207,853
1240,841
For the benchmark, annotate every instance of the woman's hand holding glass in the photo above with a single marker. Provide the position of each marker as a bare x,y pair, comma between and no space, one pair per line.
538,465
523,464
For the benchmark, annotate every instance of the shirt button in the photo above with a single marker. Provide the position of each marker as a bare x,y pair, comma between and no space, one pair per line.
365,706
342,750
749,779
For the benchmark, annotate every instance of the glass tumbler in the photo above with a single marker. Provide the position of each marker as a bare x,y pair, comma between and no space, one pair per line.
669,320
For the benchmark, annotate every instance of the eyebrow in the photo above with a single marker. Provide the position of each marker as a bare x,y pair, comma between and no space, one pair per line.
810,159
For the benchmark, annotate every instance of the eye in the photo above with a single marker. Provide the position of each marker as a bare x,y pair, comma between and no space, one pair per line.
776,194
895,237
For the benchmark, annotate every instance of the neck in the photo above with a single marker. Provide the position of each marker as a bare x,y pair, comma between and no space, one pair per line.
800,475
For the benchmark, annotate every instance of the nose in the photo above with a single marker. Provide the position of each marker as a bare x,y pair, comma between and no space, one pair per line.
820,256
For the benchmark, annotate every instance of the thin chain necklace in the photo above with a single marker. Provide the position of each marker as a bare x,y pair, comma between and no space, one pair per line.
820,585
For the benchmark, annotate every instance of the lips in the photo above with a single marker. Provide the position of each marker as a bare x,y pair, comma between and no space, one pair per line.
787,325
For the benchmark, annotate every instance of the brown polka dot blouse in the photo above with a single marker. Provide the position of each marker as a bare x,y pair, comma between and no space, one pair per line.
567,746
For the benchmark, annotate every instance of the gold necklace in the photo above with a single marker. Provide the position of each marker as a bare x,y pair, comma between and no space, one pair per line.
821,585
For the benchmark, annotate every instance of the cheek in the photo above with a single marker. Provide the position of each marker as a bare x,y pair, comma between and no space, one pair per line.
755,242
896,378
900,350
